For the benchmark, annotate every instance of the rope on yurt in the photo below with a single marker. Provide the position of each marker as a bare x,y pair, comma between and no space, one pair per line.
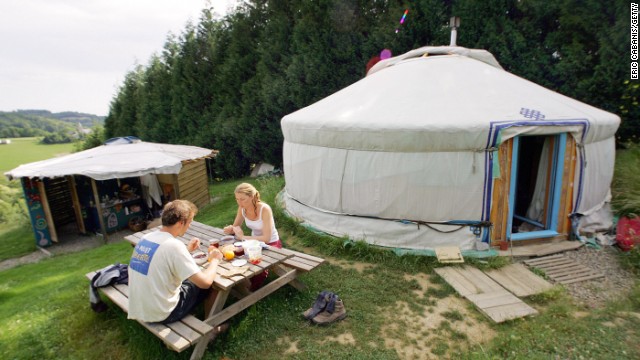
460,223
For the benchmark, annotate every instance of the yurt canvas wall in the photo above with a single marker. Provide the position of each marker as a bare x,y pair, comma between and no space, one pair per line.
432,147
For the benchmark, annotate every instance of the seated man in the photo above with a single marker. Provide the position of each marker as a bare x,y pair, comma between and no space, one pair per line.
165,283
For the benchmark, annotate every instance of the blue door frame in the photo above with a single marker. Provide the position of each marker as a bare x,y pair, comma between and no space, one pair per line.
555,191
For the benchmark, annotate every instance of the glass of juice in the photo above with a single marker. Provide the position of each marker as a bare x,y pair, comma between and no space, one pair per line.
255,254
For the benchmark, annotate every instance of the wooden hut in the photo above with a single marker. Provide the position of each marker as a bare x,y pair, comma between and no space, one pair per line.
112,186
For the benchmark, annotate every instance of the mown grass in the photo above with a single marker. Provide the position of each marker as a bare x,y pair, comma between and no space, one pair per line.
26,150
45,311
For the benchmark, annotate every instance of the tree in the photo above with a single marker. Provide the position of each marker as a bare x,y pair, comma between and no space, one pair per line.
226,83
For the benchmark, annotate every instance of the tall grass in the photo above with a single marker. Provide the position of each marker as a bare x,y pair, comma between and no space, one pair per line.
625,188
16,241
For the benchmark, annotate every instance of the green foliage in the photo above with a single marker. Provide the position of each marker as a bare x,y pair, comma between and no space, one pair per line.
60,137
30,123
12,206
16,241
625,188
94,139
631,259
630,111
226,83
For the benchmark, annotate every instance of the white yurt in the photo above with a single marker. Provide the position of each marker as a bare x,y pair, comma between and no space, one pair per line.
442,147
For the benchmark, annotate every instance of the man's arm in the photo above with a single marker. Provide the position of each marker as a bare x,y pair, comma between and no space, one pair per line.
204,278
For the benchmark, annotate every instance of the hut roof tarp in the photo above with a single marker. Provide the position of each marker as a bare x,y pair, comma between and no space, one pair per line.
114,161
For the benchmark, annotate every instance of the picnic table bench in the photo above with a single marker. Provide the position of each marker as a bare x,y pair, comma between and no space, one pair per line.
287,264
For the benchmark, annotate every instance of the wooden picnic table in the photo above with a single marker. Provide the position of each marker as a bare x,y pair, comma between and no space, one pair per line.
286,264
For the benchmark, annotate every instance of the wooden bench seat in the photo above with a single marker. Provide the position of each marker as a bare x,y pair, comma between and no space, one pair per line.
301,261
177,336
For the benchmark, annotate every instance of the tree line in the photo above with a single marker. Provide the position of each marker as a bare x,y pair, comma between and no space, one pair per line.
54,128
225,83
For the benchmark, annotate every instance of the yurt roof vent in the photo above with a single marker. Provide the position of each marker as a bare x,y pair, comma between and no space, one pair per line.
430,51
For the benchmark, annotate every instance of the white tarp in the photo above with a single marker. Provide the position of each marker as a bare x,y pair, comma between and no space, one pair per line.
114,161
414,140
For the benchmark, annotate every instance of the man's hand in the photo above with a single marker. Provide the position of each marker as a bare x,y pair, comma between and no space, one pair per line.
214,253
193,245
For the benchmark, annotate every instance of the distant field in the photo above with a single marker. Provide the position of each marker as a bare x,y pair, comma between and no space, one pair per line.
26,150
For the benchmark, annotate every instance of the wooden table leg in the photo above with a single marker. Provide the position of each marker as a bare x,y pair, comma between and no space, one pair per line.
264,291
201,346
280,270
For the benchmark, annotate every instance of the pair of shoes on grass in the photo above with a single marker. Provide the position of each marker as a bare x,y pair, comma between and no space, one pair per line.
328,308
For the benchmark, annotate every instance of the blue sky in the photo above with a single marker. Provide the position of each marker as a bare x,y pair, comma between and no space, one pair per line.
72,55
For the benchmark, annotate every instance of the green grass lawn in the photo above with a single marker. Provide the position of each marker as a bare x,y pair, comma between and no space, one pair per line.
26,150
45,310
16,241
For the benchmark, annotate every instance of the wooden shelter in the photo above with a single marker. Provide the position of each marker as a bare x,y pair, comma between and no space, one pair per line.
110,187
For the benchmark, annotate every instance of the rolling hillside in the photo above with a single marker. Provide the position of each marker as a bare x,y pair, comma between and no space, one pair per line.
28,123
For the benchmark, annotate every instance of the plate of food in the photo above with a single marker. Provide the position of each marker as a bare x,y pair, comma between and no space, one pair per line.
199,257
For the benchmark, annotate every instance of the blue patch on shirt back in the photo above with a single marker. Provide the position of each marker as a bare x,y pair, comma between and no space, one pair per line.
142,255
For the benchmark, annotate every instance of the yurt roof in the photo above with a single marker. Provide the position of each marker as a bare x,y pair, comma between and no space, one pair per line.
435,99
115,160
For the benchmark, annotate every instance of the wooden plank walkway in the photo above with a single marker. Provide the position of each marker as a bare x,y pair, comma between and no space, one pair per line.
519,280
560,268
487,295
540,249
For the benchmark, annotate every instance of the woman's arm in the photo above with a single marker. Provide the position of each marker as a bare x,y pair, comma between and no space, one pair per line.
236,222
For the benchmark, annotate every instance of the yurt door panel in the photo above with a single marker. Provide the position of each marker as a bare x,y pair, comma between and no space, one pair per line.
537,168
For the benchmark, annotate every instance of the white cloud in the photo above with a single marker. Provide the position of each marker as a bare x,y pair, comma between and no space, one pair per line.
71,55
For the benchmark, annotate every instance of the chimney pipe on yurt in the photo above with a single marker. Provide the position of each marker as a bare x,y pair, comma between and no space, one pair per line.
454,24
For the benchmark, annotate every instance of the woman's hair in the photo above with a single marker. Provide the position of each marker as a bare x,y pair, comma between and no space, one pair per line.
178,210
250,191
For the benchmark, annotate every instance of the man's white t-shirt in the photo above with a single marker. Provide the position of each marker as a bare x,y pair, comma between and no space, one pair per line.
158,266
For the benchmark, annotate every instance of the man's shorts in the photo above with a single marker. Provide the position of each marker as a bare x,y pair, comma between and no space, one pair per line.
190,296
